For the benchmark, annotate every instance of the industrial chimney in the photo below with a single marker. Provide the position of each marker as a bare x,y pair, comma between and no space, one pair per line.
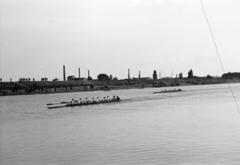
79,75
64,73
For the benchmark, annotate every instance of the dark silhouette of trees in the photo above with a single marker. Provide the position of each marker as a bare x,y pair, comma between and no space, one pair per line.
190,74
154,74
230,75
89,78
102,76
209,77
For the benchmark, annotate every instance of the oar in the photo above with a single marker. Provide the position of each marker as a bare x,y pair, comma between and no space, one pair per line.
56,107
57,103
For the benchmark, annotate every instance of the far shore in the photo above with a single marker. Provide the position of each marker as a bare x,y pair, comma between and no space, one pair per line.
50,87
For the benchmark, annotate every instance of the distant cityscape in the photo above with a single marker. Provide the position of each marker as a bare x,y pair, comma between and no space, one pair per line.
72,83
103,76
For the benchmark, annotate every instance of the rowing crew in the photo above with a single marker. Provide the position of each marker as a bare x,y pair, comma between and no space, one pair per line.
171,90
94,101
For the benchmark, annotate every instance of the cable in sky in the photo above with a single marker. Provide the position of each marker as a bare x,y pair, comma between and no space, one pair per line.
209,27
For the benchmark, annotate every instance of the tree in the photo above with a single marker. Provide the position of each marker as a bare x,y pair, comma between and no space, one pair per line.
154,74
209,77
180,75
190,74
89,78
102,76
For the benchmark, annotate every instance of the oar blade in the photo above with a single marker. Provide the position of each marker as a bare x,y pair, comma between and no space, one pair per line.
56,107
57,103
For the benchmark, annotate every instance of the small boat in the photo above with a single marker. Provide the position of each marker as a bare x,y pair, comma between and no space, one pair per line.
168,91
74,105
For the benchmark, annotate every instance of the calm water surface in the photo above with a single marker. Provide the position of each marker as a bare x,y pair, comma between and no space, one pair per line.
200,125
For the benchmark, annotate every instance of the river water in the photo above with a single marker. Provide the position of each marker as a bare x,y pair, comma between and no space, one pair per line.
200,125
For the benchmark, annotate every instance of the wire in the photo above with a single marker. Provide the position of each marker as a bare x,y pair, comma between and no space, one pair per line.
209,27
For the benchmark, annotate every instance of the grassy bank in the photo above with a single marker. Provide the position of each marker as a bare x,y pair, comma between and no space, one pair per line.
44,87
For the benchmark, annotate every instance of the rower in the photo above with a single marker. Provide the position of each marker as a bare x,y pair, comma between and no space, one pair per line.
108,99
97,101
113,99
118,98
75,102
104,99
86,102
71,102
80,101
93,101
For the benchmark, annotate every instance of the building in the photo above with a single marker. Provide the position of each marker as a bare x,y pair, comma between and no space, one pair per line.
71,78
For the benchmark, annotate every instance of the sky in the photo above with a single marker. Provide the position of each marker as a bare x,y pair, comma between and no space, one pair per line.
109,36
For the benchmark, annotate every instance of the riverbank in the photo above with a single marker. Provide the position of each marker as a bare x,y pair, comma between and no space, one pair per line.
46,87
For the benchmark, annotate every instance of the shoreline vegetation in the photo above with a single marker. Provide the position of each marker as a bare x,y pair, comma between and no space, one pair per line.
49,87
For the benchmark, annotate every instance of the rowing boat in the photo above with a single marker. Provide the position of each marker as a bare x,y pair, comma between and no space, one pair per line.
168,91
74,105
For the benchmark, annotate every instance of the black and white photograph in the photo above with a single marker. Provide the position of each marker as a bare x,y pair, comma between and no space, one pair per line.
119,82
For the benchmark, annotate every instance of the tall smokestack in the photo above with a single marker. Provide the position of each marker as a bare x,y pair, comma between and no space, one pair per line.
88,73
64,73
79,75
139,76
128,74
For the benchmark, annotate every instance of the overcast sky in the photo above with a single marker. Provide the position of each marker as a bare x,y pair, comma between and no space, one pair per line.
38,37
